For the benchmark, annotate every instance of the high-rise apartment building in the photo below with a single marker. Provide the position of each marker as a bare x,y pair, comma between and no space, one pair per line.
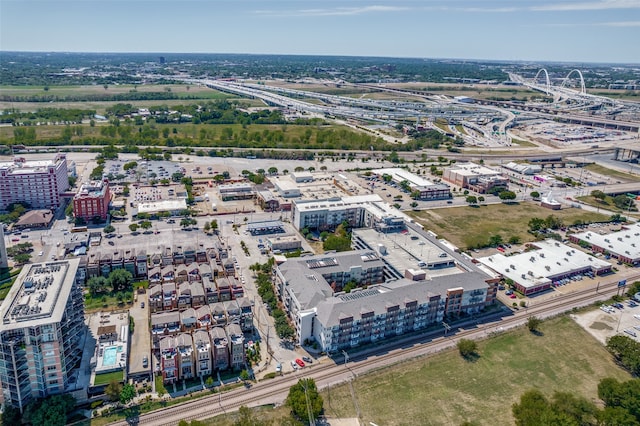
42,324
38,183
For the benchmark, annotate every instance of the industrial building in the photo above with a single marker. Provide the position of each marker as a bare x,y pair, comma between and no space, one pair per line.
41,332
623,245
544,264
92,200
475,177
39,183
428,190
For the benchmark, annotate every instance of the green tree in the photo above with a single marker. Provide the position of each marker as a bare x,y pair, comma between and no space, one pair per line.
304,400
495,240
535,195
97,285
113,390
133,227
145,224
109,229
472,200
50,411
598,195
244,375
536,224
120,280
533,323
127,393
467,348
507,195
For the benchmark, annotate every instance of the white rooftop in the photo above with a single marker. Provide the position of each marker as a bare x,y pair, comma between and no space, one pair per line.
625,243
551,259
399,175
472,169
162,205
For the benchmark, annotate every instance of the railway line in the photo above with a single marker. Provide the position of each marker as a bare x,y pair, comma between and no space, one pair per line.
275,391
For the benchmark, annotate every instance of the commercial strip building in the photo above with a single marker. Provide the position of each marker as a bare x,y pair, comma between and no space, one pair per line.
475,177
428,190
623,245
358,211
92,200
39,183
543,265
406,290
41,332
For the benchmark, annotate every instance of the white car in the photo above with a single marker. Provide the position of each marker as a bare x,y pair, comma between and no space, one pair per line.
40,253
294,365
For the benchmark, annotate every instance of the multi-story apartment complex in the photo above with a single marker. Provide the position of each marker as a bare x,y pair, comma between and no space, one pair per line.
40,335
358,211
92,200
412,281
38,183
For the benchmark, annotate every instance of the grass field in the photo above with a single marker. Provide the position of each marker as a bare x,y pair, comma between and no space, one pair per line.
447,390
469,226
197,92
607,204
522,143
106,378
596,168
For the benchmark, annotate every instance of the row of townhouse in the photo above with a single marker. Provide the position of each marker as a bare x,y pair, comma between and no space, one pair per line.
181,295
101,263
201,353
220,314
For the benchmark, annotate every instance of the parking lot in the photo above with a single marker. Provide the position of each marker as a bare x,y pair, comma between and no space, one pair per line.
609,320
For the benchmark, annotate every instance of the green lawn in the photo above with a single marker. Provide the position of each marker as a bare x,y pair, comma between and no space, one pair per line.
106,378
469,226
447,390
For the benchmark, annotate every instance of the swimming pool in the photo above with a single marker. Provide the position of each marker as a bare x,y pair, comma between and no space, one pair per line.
109,356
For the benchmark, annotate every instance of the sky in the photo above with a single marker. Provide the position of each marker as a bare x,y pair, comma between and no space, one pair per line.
529,30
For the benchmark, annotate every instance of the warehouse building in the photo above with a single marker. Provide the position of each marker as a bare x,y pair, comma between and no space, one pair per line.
475,177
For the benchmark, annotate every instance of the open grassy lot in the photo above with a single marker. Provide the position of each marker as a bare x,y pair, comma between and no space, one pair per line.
447,390
469,226
523,143
626,177
607,204
184,96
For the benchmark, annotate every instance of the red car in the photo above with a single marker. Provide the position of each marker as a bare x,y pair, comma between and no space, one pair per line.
300,362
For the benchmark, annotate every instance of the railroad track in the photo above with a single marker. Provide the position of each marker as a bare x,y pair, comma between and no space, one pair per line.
275,391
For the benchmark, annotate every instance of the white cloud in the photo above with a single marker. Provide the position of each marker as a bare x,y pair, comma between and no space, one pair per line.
594,5
338,11
620,24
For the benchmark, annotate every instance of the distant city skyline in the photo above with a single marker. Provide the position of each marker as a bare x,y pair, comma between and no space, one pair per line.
524,30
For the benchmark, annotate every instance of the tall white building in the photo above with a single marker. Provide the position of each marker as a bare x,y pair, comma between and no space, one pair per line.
39,183
41,327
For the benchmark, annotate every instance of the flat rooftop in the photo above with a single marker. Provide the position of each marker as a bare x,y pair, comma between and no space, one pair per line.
410,250
625,242
399,175
550,259
39,295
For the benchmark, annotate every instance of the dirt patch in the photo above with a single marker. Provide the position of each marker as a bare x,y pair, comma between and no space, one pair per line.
600,326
